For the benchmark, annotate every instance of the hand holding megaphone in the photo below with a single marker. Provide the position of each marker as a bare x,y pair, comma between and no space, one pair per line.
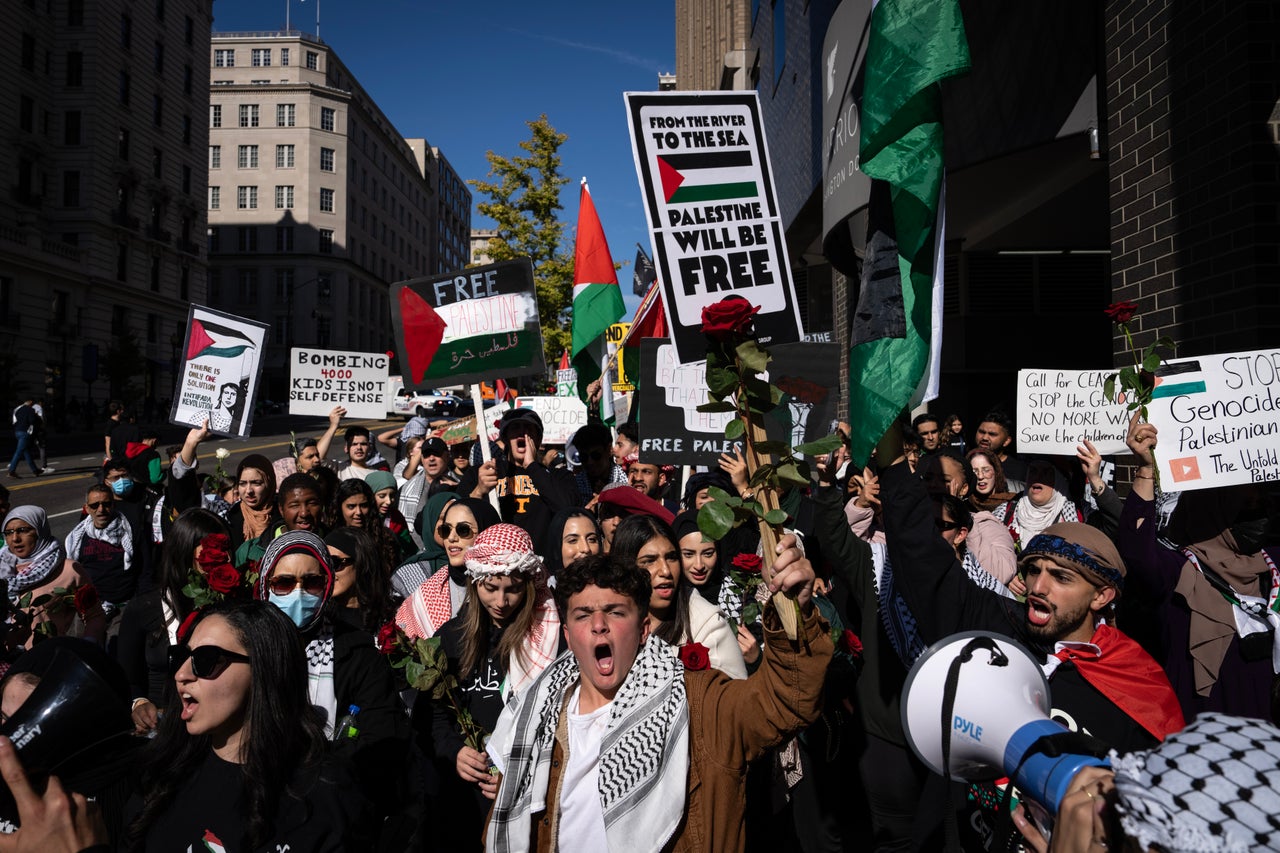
1081,825
52,822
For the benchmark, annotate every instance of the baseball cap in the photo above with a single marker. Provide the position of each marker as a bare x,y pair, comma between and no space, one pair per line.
435,446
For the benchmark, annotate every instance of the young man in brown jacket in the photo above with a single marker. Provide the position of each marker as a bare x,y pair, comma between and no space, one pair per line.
619,747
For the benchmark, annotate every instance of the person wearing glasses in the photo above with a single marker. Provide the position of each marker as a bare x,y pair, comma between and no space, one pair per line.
440,596
34,561
361,593
506,634
239,762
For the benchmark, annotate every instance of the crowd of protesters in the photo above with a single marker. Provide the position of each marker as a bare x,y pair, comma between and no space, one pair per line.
608,676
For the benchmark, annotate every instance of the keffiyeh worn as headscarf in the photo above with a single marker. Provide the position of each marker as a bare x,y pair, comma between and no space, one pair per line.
644,756
43,564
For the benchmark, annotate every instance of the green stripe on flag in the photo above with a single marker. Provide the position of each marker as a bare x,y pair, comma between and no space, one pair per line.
714,192
1175,390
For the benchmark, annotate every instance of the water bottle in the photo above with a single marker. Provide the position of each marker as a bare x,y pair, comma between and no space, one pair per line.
346,727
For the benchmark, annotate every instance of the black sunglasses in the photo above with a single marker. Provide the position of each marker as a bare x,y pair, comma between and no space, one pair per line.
340,563
100,504
464,528
285,584
943,524
206,661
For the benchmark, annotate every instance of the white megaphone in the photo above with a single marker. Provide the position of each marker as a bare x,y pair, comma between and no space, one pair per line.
975,707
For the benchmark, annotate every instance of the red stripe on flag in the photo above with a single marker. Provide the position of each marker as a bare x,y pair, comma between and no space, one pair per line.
423,332
671,179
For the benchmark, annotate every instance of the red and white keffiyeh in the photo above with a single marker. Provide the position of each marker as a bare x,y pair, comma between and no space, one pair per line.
503,549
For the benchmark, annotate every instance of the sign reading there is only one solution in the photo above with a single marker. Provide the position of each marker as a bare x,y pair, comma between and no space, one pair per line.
321,379
712,210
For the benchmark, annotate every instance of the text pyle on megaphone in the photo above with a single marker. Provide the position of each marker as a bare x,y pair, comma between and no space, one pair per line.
71,710
999,710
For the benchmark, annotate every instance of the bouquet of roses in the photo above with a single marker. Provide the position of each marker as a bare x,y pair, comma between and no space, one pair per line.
425,667
82,598
214,578
1137,381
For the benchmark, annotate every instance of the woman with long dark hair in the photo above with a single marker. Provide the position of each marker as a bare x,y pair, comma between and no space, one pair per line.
676,614
439,598
238,762
507,632
572,533
149,627
361,594
255,513
355,506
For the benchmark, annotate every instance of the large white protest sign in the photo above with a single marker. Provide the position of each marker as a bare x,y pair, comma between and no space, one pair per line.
220,372
1059,409
561,416
1218,418
321,379
712,210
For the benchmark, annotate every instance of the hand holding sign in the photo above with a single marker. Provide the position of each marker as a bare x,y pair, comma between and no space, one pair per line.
1141,440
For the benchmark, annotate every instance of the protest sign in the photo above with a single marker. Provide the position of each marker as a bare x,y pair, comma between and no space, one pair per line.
712,210
220,373
1218,418
321,379
1059,409
472,325
673,432
567,382
614,337
464,429
561,416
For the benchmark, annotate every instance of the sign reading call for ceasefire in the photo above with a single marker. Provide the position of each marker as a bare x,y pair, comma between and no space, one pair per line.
473,325
712,210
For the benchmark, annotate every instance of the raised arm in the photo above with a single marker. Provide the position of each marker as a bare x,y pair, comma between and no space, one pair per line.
322,443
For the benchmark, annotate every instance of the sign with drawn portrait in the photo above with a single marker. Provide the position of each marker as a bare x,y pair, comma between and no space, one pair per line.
220,372
474,325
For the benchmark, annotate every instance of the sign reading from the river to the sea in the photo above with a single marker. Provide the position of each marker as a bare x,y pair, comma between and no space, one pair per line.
1218,418
712,210
474,325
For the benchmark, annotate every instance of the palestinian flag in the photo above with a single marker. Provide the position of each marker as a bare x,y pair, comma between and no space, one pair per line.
913,46
210,339
213,843
711,176
597,298
423,332
1178,378
650,322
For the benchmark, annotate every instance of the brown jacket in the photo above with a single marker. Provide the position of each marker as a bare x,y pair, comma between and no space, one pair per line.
731,722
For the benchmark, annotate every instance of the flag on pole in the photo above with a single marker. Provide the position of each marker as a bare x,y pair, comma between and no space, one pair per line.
597,298
914,44
564,360
643,274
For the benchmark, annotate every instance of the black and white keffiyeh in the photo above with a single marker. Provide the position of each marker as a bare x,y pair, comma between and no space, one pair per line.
118,533
44,564
320,685
644,756
1214,786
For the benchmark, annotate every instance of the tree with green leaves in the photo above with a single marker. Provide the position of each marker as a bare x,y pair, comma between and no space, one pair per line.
524,201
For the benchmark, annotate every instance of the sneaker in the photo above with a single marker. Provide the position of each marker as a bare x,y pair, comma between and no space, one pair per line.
15,475
37,472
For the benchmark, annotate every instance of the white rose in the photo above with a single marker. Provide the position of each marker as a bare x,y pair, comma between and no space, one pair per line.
222,453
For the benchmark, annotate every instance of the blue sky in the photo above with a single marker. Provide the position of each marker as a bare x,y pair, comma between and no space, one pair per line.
468,75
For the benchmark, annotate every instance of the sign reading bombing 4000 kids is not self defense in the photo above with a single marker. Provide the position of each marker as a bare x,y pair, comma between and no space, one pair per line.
712,210
1218,418
473,325
321,379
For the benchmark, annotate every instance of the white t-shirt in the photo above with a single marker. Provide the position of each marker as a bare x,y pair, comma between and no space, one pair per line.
353,472
581,818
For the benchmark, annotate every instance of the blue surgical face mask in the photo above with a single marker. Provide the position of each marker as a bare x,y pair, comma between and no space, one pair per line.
299,606
122,486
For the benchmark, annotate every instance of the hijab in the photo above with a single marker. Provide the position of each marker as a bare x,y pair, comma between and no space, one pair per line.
43,564
554,559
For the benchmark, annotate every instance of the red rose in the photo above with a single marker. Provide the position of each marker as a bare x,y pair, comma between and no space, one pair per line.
86,599
728,317
213,551
850,644
695,656
748,563
1121,312
387,637
223,578
187,626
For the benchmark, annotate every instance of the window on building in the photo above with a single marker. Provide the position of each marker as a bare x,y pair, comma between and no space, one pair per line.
122,272
215,156
153,328
284,56
247,156
26,113
186,178
122,144
155,274
313,60
284,197
157,163
189,33
125,86
284,238
186,79
261,57
326,200
186,129
184,285
159,10
126,31
75,13
246,198
327,117
249,287
248,115
326,240
215,285
284,156
284,284
119,318
285,115
326,159
158,57
324,286
157,110
247,238
71,188
281,330
71,127
215,115
75,68
324,331
224,58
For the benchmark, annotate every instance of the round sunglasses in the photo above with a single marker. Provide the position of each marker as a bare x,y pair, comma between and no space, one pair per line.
285,584
465,529
207,662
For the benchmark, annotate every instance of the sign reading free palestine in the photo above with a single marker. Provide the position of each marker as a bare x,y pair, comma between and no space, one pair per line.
712,211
